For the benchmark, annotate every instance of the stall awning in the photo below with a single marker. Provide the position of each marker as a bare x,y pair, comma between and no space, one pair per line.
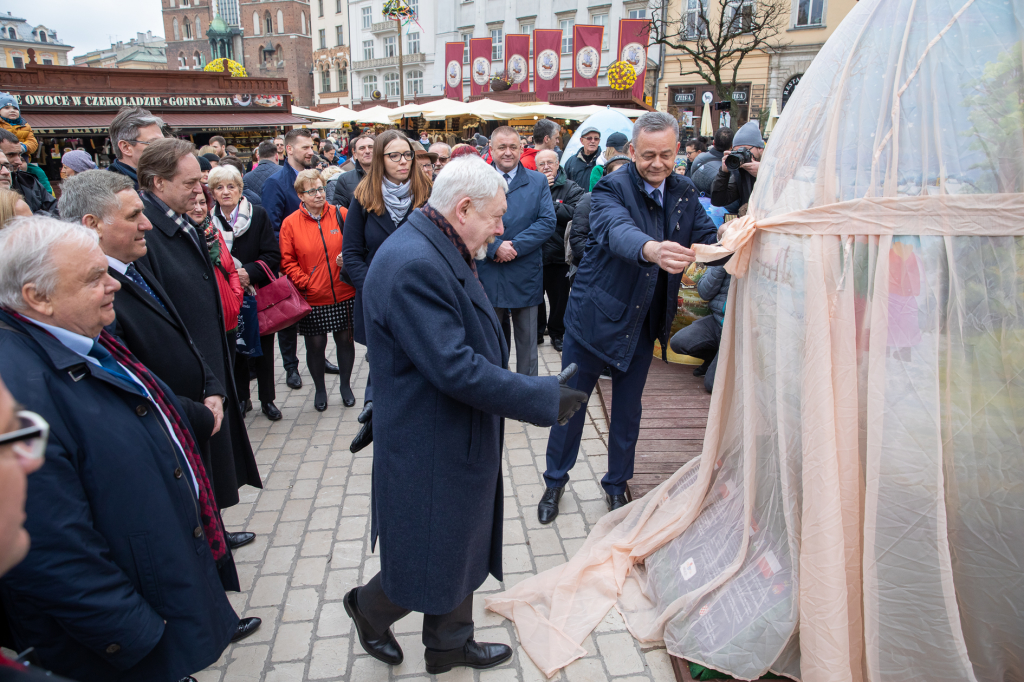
50,123
100,122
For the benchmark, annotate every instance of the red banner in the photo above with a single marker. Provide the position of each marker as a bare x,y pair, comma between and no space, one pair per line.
634,35
586,54
479,66
453,70
547,48
517,60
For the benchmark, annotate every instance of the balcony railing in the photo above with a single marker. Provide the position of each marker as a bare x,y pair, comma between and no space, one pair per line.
417,58
383,27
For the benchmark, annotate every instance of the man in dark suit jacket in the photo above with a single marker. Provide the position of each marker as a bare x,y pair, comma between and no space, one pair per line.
437,490
345,187
179,260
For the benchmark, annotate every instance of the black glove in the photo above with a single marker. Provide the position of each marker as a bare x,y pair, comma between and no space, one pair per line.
569,399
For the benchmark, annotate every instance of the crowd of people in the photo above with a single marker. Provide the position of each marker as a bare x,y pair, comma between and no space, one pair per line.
122,324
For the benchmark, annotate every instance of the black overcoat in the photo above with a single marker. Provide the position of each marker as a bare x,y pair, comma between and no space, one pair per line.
185,272
258,243
364,233
442,389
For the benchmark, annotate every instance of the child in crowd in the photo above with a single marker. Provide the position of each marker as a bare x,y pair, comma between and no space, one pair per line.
10,119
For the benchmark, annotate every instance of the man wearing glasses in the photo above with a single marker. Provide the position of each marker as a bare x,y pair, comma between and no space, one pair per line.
444,153
21,181
131,131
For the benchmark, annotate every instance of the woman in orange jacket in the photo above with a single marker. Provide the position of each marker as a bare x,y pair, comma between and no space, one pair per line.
310,246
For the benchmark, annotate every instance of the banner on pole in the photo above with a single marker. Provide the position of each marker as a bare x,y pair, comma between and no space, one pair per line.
547,46
634,35
479,66
453,70
586,54
517,62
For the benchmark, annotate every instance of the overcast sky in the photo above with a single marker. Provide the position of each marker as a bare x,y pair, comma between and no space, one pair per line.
90,25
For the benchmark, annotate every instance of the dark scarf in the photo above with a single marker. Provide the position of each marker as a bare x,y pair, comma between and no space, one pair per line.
125,169
20,121
589,157
435,217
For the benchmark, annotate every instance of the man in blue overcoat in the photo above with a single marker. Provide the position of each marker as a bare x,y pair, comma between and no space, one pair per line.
513,272
439,365
643,222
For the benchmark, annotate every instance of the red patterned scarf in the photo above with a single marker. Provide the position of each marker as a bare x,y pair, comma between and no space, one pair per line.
434,216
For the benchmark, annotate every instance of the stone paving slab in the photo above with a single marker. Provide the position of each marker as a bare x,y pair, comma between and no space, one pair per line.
312,546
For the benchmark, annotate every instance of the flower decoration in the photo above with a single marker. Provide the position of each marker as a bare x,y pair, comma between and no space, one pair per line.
621,75
233,67
501,80
398,9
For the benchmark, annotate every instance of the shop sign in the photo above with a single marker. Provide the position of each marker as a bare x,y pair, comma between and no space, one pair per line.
739,96
684,98
60,101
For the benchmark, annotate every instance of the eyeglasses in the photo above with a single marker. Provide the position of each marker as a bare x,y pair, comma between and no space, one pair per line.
140,142
443,159
314,192
7,167
398,156
29,440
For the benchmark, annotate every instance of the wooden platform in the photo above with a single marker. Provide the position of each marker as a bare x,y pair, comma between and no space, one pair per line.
672,429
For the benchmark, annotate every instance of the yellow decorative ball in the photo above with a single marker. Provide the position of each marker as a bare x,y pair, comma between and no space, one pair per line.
621,75
234,68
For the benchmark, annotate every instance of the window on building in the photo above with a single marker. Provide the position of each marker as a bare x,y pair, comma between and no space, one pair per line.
342,79
268,23
695,13
391,85
412,43
413,83
528,30
255,23
185,3
566,25
638,14
174,26
279,55
19,62
465,50
182,64
280,21
497,45
266,56
188,29
199,29
390,47
197,60
320,6
337,6
739,15
42,36
367,18
325,80
340,35
369,85
601,20
47,61
323,38
810,12
12,33
174,3
302,23
368,49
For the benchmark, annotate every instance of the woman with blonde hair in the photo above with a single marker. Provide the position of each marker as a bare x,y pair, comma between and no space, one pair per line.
11,204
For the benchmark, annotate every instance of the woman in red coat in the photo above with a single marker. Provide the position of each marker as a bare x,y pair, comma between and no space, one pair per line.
230,287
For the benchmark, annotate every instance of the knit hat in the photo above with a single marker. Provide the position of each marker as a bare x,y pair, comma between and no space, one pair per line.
204,164
615,159
749,135
616,140
6,99
78,161
210,158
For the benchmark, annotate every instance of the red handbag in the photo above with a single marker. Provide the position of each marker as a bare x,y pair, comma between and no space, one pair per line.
279,304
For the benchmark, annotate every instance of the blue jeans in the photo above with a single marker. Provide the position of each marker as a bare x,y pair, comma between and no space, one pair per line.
624,429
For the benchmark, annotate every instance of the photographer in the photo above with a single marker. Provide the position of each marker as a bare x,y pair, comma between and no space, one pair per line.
738,173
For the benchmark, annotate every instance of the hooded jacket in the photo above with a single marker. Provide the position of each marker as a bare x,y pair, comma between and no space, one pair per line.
309,251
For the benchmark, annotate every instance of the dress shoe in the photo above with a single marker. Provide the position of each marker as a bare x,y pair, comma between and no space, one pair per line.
547,510
320,401
364,416
188,679
236,540
382,647
246,627
606,372
615,501
540,340
477,655
702,370
270,409
246,407
363,438
294,380
556,343
331,368
347,396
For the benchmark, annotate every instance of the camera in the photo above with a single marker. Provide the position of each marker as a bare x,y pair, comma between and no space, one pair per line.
738,157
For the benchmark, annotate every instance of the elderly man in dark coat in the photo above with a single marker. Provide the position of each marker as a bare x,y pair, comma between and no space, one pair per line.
121,582
513,272
179,260
437,491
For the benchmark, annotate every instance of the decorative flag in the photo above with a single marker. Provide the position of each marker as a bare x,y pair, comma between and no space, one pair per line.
586,54
479,65
547,46
517,63
634,34
453,70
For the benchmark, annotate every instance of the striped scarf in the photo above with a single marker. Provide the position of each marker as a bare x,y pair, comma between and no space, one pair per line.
434,216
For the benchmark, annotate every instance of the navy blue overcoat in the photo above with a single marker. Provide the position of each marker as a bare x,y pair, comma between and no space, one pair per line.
529,222
113,519
442,389
614,286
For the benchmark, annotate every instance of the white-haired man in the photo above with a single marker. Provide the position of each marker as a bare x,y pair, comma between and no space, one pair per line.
437,490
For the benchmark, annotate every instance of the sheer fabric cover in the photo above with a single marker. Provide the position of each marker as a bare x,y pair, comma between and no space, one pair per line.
858,510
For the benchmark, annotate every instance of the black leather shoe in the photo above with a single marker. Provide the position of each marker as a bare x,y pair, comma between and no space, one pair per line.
293,380
188,679
363,438
347,396
236,540
479,655
703,369
331,368
367,412
556,343
382,647
246,627
547,510
246,406
270,409
615,501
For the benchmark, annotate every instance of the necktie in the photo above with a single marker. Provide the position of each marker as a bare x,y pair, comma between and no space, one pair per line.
108,363
508,178
133,274
656,195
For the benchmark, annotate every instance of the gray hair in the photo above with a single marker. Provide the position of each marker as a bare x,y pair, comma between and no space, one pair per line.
26,254
441,144
126,124
465,176
93,192
221,174
654,122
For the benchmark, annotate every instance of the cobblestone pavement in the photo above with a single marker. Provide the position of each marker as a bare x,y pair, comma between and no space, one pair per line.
312,545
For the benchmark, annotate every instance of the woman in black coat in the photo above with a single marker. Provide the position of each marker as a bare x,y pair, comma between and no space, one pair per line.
250,236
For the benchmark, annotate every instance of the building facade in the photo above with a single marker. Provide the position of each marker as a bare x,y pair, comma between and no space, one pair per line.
374,48
763,76
17,36
461,20
331,54
145,51
270,39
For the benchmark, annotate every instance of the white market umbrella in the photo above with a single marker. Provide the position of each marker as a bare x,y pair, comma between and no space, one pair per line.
437,105
377,114
309,114
607,122
707,128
